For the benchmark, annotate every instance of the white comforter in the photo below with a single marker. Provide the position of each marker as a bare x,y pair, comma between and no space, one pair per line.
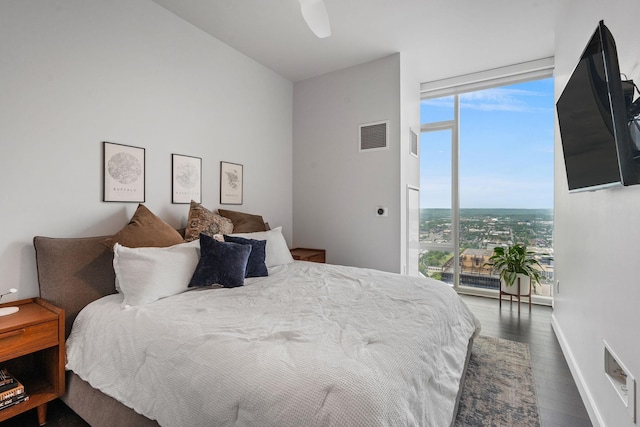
310,345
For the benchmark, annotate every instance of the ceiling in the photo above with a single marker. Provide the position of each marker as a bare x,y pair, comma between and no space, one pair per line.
442,38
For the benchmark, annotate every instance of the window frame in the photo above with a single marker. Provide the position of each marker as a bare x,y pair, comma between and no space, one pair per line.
455,86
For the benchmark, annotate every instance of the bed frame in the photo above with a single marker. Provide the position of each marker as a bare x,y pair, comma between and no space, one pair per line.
73,272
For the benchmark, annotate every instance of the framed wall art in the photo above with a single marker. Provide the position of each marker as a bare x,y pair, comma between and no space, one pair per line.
230,183
186,179
123,173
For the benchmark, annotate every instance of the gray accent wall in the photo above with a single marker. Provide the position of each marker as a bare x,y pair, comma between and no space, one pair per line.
336,187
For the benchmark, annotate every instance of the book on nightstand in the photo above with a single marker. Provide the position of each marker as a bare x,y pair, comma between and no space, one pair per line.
5,378
13,401
11,390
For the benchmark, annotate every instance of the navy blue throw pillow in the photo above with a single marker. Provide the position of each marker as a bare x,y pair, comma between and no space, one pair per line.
221,263
255,266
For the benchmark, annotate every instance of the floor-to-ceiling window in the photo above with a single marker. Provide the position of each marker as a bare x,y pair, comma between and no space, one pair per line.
486,179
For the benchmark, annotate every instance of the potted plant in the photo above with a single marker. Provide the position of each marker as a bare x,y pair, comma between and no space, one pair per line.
515,262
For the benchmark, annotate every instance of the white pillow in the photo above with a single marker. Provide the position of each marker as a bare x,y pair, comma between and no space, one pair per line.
277,251
147,274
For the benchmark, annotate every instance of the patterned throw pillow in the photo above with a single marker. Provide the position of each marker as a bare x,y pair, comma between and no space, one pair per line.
202,220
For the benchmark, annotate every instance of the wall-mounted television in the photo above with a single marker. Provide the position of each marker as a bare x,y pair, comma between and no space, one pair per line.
592,114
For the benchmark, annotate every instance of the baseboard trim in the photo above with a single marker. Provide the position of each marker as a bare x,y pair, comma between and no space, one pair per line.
585,394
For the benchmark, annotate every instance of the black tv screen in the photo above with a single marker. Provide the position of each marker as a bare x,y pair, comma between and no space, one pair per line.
593,120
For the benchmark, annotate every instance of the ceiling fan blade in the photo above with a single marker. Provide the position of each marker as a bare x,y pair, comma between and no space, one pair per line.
315,14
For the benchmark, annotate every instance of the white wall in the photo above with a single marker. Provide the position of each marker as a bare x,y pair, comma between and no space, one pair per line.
409,164
74,73
597,234
336,188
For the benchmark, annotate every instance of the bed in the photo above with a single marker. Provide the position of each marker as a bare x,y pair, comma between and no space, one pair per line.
309,344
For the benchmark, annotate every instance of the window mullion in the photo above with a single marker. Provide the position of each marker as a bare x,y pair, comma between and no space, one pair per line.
455,190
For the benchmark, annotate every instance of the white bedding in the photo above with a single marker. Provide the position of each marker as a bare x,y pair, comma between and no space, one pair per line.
309,345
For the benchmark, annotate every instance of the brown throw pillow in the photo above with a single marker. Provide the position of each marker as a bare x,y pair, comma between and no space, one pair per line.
145,230
202,220
244,222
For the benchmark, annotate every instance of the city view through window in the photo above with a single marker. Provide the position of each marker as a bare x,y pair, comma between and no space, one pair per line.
486,161
480,231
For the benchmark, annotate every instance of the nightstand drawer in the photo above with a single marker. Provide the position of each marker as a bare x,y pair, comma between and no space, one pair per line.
310,255
317,258
26,340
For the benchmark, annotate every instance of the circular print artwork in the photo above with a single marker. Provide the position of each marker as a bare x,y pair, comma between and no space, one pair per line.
124,168
187,175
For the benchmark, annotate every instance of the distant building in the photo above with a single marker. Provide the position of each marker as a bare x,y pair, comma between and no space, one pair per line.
475,273
473,269
474,261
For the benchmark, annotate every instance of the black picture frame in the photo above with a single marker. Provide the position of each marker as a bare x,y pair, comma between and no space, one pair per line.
123,173
231,183
186,179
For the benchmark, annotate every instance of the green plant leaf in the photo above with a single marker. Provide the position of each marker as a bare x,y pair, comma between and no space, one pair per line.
514,260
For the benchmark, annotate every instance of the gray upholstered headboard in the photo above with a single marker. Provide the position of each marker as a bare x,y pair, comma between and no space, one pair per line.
72,272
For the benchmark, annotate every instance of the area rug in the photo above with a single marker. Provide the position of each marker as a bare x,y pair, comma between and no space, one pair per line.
499,389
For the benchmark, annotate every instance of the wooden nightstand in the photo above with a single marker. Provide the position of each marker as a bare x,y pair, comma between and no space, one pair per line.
32,349
306,254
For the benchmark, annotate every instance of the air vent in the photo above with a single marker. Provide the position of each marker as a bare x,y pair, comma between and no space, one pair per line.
373,136
413,143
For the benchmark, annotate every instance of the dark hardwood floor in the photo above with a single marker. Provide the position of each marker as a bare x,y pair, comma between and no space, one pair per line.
558,397
58,415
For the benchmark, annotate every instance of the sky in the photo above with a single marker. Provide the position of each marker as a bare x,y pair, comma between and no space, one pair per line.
506,148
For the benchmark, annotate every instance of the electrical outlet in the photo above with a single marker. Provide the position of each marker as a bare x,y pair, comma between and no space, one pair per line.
621,379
